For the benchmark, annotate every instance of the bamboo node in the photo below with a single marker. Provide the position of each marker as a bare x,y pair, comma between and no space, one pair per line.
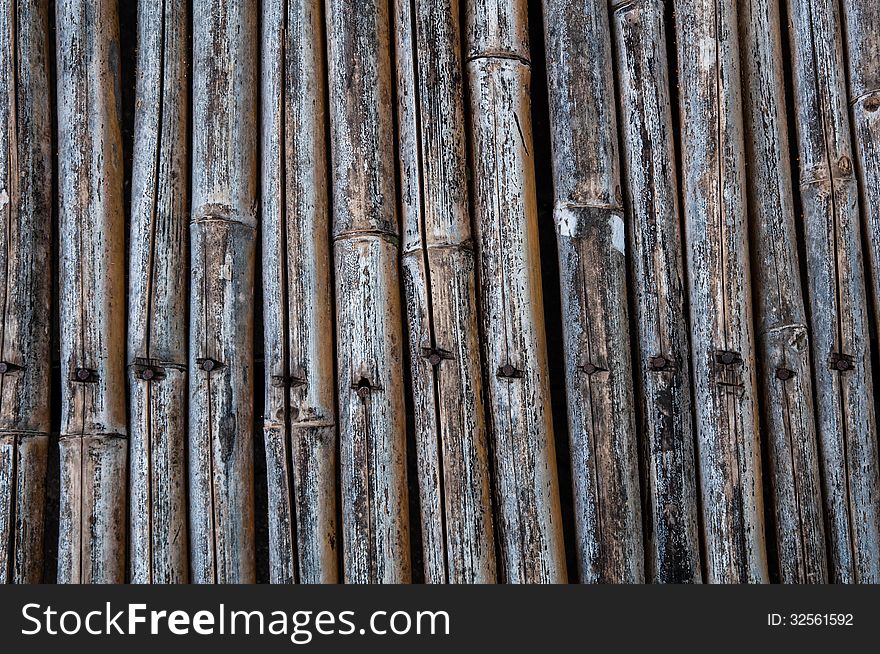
872,104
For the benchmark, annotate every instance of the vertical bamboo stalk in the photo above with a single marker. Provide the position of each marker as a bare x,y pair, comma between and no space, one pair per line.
439,275
511,301
300,418
839,316
720,292
588,213
223,246
656,246
783,340
157,297
25,285
93,422
368,318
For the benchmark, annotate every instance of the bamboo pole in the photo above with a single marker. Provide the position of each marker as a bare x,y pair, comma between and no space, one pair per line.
157,297
368,318
839,316
511,301
784,371
439,275
223,246
25,285
589,219
300,418
656,245
93,444
720,292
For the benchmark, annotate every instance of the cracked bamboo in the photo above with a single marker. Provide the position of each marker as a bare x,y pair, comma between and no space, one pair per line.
723,360
157,299
221,322
439,275
528,511
837,297
93,444
784,371
25,284
372,416
656,247
299,426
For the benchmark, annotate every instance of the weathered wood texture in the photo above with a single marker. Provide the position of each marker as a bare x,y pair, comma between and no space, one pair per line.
221,326
299,429
590,232
837,298
658,293
25,285
93,445
369,338
439,275
783,347
723,360
157,297
528,514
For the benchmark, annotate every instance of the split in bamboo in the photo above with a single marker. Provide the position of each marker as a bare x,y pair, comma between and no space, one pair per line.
656,247
93,444
839,316
439,278
724,378
158,280
372,416
784,368
221,326
299,426
25,285
511,302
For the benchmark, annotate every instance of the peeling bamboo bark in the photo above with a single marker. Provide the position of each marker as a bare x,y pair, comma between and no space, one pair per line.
157,298
839,316
300,416
656,246
25,284
439,275
784,370
511,302
93,443
720,292
223,246
368,318
589,219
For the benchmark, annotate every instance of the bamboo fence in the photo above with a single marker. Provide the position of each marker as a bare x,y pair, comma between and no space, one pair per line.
282,283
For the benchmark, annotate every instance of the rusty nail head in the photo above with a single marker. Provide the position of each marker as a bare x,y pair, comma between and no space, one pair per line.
507,370
148,374
207,365
842,364
784,374
434,359
658,362
589,368
727,358
363,390
4,367
82,374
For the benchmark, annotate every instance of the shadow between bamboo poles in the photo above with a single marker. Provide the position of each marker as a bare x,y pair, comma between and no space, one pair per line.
300,420
25,285
157,299
439,275
512,317
839,316
372,416
223,246
93,444
656,255
589,219
720,292
785,371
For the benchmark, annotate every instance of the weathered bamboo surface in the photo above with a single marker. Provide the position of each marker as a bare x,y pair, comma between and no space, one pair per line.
369,338
439,276
25,284
847,429
223,236
656,249
589,219
722,341
300,428
157,297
